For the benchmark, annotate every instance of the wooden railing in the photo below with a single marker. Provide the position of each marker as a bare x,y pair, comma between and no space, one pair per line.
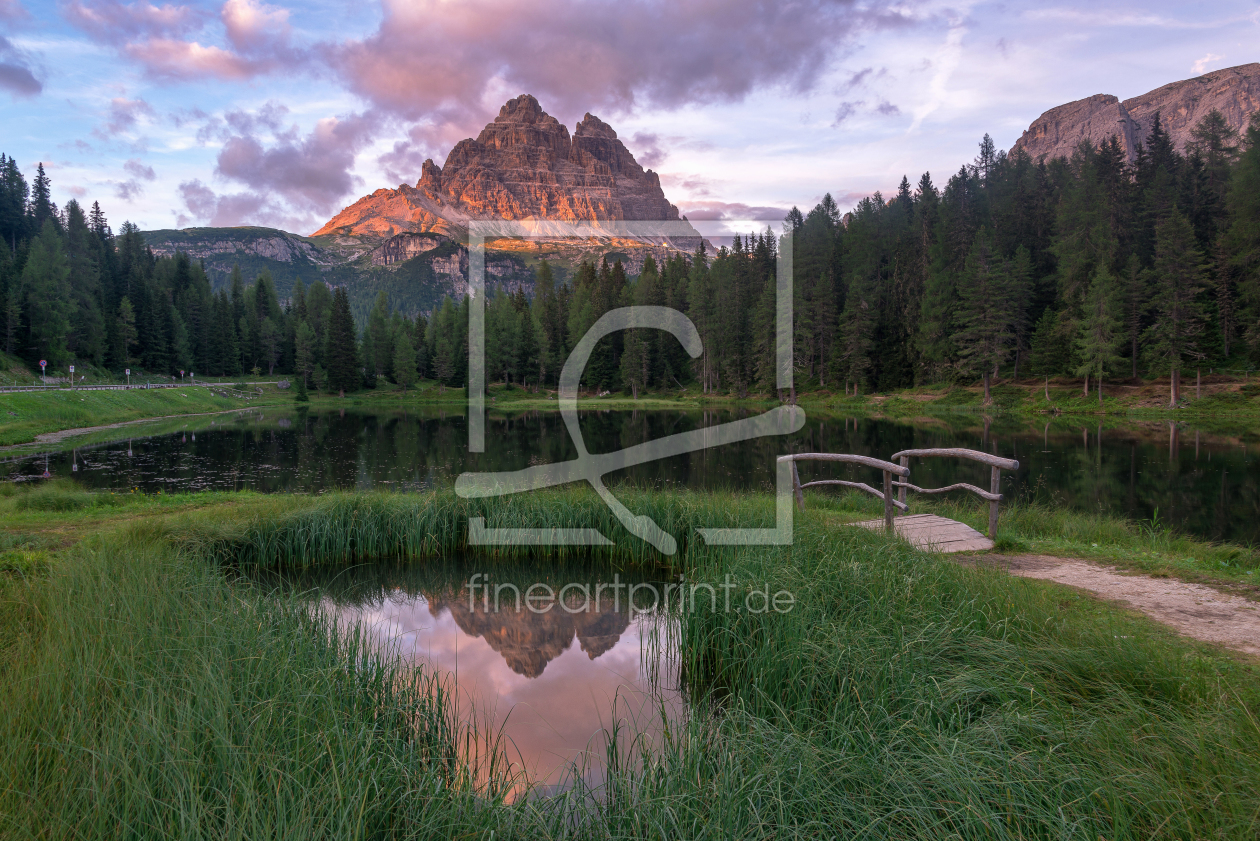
889,469
993,495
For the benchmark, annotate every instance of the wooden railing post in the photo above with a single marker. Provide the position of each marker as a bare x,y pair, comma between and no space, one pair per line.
901,492
995,487
796,487
888,502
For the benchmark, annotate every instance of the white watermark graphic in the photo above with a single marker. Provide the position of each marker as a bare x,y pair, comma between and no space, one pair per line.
590,468
586,597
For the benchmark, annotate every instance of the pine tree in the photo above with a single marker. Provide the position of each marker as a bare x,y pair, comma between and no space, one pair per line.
1101,329
1175,336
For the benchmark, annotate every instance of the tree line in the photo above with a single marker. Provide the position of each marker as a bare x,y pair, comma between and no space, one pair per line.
1090,266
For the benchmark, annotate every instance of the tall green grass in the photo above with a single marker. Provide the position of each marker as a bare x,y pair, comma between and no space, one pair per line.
157,701
904,696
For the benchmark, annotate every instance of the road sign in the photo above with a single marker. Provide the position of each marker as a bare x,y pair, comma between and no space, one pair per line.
71,369
43,363
129,372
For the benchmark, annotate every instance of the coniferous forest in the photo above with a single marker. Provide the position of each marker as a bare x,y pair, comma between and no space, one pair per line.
1091,267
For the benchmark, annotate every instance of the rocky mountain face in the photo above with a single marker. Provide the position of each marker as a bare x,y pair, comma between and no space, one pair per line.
528,641
1235,92
524,165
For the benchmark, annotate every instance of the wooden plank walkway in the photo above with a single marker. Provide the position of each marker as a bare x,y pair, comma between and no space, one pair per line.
936,534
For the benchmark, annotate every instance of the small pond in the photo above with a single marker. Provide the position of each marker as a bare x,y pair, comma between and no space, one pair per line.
549,670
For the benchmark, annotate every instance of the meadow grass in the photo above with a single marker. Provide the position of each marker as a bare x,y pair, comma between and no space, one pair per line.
150,691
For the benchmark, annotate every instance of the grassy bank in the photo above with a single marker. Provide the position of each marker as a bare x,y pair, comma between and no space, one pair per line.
149,692
24,415
1226,401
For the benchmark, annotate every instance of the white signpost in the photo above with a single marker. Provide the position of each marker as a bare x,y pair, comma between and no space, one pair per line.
71,376
128,378
43,372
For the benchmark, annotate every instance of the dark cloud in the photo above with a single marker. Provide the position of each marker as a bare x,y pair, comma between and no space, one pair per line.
233,209
123,115
857,79
888,109
311,174
128,190
16,76
720,210
139,170
612,56
845,111
646,148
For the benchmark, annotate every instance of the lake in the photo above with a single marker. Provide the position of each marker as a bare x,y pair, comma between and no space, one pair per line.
1200,482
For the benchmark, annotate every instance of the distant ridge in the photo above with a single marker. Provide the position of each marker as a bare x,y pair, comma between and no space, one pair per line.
1234,91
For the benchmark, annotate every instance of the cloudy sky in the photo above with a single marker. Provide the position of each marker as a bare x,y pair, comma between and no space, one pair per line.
249,112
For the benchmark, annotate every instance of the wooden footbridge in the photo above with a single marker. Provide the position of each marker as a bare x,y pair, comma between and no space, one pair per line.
927,531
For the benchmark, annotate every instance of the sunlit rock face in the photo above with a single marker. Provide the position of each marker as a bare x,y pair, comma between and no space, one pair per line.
523,166
1234,91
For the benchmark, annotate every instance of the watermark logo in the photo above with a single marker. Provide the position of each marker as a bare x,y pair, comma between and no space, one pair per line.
617,596
590,468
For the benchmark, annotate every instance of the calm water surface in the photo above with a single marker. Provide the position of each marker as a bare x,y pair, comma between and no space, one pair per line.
1205,484
548,680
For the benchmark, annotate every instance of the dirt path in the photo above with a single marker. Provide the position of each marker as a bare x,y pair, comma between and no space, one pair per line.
1191,609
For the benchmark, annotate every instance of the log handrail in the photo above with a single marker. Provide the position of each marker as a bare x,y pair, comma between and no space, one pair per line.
889,470
861,486
992,497
848,458
958,452
996,465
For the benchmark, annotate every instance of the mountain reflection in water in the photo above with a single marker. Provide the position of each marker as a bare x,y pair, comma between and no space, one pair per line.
519,672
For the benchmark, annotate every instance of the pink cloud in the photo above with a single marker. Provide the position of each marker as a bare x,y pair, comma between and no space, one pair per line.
430,55
117,23
165,57
253,27
13,11
159,37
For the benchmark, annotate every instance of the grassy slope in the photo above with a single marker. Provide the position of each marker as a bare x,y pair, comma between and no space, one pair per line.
903,697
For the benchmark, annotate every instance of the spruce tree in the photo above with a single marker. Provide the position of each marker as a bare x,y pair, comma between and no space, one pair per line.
404,360
985,320
1101,329
46,281
341,356
1175,337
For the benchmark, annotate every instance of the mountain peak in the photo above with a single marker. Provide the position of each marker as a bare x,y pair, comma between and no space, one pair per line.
523,165
1233,91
